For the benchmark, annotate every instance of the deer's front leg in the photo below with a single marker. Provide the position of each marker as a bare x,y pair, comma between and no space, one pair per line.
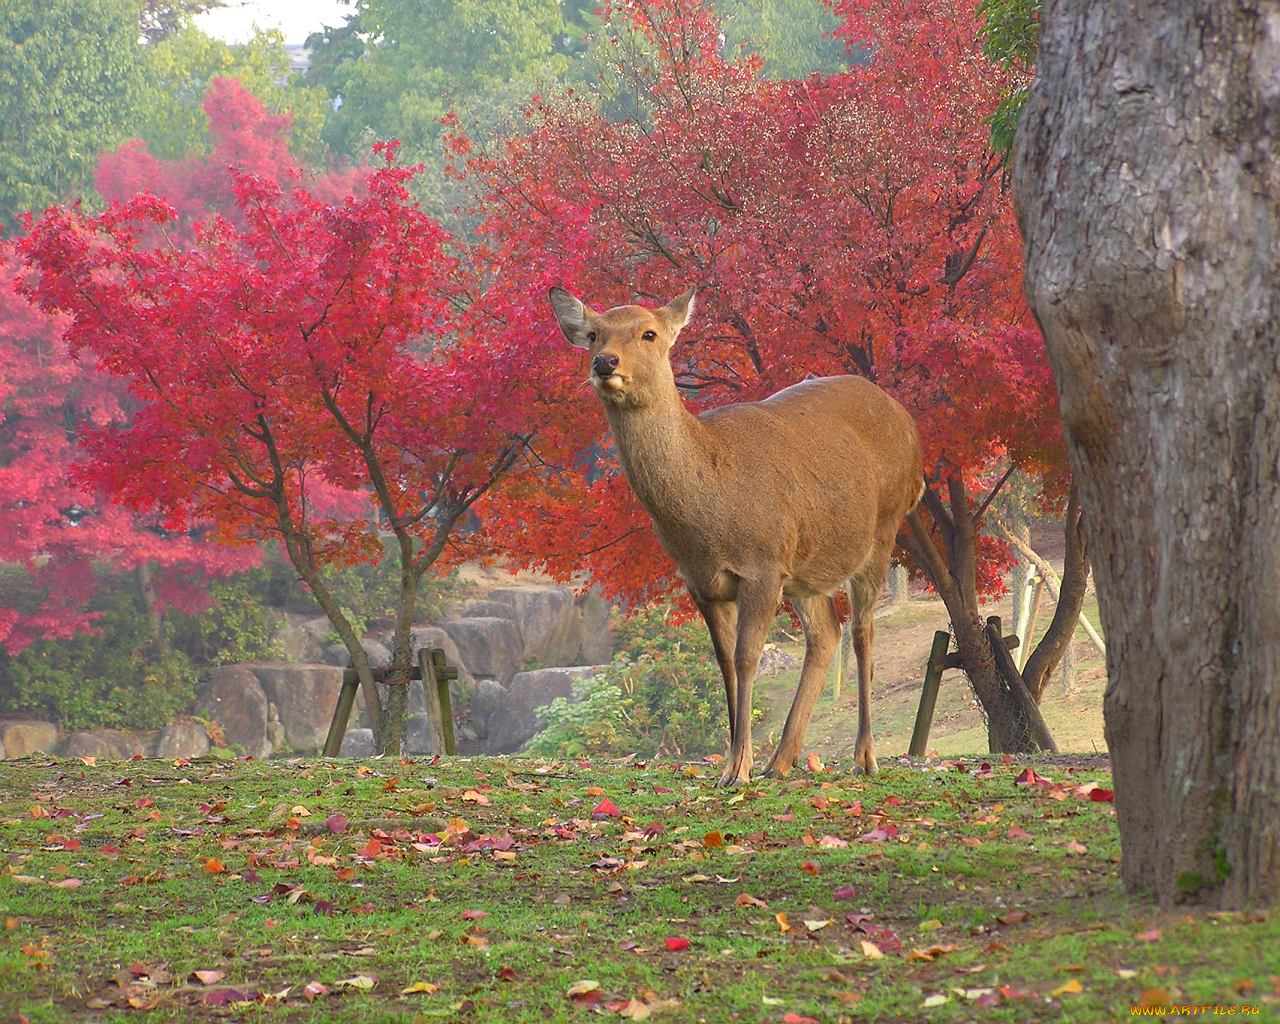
821,637
757,604
722,622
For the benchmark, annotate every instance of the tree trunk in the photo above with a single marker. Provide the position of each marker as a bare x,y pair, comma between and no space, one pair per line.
1148,186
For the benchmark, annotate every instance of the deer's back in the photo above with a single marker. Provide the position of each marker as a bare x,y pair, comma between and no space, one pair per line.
815,475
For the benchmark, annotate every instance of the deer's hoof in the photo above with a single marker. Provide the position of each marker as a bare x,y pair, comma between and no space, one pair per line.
732,776
866,765
776,769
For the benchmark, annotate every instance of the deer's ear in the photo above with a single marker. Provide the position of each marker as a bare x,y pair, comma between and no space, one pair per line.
678,311
571,315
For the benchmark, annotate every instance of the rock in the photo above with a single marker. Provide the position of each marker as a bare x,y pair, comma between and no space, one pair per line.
486,698
594,616
304,637
357,743
489,647
516,720
485,610
237,702
774,660
415,734
26,736
549,622
182,738
305,695
111,744
378,653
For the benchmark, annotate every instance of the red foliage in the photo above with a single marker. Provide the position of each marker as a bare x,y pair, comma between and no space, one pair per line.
850,223
52,524
297,367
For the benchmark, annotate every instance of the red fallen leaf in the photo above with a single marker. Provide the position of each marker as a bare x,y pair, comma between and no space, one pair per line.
675,943
661,789
987,1001
810,867
712,840
1018,832
1006,759
814,763
892,800
1013,917
110,850
844,892
585,992
1152,936
879,834
507,974
474,915
68,883
796,1018
213,866
336,823
324,908
313,990
1028,778
1009,992
606,808
654,828
143,802
1102,796
370,849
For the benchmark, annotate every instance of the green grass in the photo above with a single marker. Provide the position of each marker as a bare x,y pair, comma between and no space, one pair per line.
169,869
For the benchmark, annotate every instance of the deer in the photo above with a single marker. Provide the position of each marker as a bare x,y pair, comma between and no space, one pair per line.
792,497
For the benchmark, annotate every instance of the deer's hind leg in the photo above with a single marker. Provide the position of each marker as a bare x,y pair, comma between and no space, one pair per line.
757,601
864,589
821,636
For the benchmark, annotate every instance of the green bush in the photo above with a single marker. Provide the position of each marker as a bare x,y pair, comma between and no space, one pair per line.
237,626
121,676
662,694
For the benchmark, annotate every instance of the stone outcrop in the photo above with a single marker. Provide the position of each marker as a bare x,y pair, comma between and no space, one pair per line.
515,719
26,736
182,738
237,702
489,647
304,696
108,744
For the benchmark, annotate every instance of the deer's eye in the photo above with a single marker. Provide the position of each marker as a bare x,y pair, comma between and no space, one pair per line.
591,337
648,336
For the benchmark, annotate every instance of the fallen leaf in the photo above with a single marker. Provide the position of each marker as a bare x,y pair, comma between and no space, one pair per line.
208,977
474,915
844,892
784,925
871,951
815,926
606,808
745,899
1072,987
1151,936
675,943
1154,997
586,991
935,1000
810,867
361,982
424,987
1013,917
712,840
213,866
634,1009
814,763
336,823
796,1018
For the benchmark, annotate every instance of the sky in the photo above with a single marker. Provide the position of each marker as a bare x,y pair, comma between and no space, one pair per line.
297,18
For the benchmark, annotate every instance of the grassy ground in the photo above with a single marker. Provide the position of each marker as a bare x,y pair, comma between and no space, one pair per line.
516,890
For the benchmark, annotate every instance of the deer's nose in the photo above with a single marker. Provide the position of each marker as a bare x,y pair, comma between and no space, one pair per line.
604,365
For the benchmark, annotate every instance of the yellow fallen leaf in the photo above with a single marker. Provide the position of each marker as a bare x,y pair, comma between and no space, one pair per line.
635,1009
784,925
935,1000
360,981
581,988
300,812
871,951
1072,987
814,926
419,986
931,925
89,761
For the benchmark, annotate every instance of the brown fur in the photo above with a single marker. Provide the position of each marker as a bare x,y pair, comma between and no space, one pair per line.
785,498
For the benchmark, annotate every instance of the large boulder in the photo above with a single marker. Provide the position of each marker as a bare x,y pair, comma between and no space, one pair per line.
182,738
26,736
549,622
489,647
515,720
237,702
357,743
304,637
305,697
110,744
594,614
378,653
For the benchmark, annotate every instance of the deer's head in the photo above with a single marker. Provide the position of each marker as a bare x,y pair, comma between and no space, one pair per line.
629,345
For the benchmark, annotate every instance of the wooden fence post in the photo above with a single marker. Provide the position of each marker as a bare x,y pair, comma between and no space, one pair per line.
342,713
1017,688
929,693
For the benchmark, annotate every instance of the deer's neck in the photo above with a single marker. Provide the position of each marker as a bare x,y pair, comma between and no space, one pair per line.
664,452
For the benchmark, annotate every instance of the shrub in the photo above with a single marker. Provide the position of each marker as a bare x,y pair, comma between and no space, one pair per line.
662,694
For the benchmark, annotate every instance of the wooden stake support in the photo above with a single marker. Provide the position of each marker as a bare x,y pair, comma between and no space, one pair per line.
436,673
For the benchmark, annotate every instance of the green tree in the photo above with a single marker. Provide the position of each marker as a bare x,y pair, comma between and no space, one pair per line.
793,36
178,68
398,66
68,84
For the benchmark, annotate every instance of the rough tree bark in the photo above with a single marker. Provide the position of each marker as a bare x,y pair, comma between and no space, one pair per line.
1147,185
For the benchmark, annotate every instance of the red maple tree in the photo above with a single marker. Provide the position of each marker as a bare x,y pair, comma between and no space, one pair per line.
848,223
298,373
